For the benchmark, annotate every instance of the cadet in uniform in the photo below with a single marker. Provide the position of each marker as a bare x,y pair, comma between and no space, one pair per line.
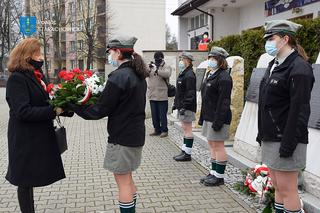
186,102
123,102
284,110
216,113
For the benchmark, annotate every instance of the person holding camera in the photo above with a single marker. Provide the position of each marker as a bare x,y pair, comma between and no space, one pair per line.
157,94
186,102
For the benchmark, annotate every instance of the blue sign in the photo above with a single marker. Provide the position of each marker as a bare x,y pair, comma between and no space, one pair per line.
28,25
273,7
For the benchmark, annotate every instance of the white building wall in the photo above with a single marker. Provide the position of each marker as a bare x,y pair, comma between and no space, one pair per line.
183,43
252,15
144,19
225,23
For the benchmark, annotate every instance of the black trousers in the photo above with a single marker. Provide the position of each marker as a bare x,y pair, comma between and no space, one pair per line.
159,110
25,197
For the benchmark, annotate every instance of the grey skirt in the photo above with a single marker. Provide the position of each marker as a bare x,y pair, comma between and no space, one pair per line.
271,157
188,116
122,159
211,135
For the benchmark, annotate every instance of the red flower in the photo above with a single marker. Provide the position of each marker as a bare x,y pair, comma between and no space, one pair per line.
80,77
50,87
76,71
59,86
68,76
88,73
62,73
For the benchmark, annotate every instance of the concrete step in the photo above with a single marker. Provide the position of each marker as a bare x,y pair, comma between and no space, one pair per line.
311,203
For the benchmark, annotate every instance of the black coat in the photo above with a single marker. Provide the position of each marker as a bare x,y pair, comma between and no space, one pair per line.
34,158
216,98
284,103
123,101
186,95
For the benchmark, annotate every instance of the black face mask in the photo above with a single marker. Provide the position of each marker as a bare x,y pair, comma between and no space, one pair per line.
36,64
158,61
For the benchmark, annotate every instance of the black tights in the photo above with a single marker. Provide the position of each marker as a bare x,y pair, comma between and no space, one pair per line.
25,197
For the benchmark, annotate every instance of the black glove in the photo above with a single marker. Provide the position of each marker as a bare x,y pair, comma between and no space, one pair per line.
284,153
174,108
217,126
258,139
182,111
67,113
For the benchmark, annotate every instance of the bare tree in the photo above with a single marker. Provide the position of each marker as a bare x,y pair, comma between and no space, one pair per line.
42,34
171,40
10,11
92,29
60,20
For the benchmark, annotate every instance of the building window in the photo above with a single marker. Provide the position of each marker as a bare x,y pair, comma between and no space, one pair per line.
79,3
80,24
201,20
49,65
48,48
192,23
197,22
71,8
72,46
80,44
73,64
205,20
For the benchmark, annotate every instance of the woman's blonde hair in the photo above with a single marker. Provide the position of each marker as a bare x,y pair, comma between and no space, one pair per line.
22,54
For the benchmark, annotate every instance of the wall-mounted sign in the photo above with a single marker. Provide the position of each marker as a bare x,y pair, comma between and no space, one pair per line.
28,25
273,7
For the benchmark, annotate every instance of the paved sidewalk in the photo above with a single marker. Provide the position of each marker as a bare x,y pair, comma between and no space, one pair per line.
163,184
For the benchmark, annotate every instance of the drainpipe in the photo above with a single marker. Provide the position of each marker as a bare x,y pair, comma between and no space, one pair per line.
209,14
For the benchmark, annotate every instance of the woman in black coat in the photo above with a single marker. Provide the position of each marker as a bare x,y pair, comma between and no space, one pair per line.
34,157
123,101
216,114
185,102
284,111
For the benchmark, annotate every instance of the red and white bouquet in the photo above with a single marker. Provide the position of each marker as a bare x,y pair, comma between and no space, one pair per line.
76,87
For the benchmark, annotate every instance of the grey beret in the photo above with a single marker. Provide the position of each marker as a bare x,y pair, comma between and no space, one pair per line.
218,51
187,55
121,42
280,26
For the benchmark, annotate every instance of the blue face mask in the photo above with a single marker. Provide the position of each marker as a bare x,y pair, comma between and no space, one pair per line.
112,62
212,64
271,48
181,66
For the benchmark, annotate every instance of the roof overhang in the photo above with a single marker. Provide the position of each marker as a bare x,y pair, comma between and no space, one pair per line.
188,6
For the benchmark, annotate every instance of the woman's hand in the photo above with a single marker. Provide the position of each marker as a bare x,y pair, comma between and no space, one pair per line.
58,110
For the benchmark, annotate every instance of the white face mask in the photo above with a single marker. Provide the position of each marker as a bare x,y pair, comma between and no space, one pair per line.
273,48
212,64
112,62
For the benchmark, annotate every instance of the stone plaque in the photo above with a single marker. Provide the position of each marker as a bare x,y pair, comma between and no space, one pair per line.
200,72
314,121
253,89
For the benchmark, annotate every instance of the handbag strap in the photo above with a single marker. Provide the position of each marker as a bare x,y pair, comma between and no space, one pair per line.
59,121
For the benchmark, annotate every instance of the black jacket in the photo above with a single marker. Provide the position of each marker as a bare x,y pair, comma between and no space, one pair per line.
123,101
216,98
284,103
34,158
186,96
